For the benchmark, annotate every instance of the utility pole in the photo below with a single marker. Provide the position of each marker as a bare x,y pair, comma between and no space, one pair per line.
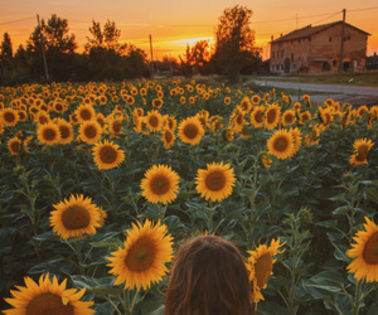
342,44
152,55
41,42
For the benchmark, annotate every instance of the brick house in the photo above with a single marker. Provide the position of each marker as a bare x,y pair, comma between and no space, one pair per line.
317,49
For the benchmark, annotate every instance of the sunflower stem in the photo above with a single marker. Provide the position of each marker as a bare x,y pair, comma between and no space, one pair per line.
358,298
113,305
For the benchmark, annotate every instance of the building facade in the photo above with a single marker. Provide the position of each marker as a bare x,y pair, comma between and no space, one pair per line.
317,49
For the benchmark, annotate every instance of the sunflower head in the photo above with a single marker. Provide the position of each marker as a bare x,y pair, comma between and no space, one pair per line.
191,131
272,116
9,117
216,182
141,261
281,144
75,217
154,121
365,253
160,184
90,132
168,137
14,145
48,133
361,149
47,297
107,155
85,112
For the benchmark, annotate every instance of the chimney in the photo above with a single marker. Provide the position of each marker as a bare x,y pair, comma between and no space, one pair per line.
281,35
271,38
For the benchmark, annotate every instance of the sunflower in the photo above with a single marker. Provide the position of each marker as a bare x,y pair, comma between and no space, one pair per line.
65,130
266,161
48,134
157,102
9,117
304,117
154,121
245,105
75,217
260,266
257,116
107,155
281,144
47,297
170,122
14,145
272,116
288,117
361,148
90,132
141,261
42,117
168,137
191,131
85,113
296,134
216,182
160,184
365,254
115,125
255,99
313,139
227,100
362,110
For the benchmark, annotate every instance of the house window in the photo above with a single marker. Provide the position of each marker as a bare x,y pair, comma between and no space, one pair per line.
334,63
292,57
330,39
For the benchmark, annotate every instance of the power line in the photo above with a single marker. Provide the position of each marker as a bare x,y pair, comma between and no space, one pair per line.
17,21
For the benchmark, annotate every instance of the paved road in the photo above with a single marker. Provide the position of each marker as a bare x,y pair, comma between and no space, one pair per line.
332,89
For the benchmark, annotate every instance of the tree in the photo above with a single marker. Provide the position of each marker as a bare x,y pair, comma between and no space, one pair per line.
59,47
235,42
108,38
195,58
6,47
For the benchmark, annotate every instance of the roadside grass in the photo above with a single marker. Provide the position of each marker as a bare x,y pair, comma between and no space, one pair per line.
357,79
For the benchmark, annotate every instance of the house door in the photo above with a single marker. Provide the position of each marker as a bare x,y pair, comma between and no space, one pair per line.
287,65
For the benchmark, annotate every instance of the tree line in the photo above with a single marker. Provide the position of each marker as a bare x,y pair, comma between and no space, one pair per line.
50,53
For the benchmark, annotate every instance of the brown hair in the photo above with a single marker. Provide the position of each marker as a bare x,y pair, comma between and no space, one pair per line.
208,278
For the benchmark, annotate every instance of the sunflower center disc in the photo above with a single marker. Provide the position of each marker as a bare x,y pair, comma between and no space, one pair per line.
191,131
64,132
90,132
215,181
75,217
108,155
168,136
141,255
154,121
48,304
117,127
362,152
263,269
9,117
85,114
289,119
281,144
259,116
15,146
160,185
49,134
370,252
271,116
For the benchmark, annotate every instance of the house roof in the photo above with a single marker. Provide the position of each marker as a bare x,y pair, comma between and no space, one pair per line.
310,30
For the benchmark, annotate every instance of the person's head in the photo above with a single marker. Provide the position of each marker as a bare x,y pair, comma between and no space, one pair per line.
208,277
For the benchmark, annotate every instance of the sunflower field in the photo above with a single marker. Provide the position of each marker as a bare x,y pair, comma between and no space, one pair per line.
100,183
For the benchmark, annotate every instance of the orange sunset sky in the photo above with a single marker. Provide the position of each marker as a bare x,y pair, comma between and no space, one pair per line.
173,24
